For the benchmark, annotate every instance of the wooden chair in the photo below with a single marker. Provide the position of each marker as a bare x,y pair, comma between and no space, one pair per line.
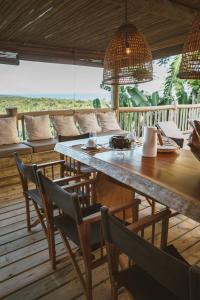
75,167
28,177
170,129
156,273
80,222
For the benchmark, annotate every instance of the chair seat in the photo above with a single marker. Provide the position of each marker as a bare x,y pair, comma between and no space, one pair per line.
34,196
142,286
68,226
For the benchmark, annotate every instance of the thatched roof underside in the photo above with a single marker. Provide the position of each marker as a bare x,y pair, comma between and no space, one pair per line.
78,31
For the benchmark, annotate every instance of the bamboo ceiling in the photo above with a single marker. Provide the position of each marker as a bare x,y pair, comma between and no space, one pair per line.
78,31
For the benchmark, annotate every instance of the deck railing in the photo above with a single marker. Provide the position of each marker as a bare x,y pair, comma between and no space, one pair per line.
130,118
133,118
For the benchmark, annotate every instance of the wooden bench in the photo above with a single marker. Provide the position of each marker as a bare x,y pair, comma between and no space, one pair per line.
30,152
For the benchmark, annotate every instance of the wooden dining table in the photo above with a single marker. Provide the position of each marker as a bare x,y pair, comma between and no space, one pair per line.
172,179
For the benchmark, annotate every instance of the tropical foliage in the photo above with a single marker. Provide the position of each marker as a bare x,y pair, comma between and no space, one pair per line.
175,90
181,91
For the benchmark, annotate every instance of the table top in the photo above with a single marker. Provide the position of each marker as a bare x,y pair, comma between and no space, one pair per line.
172,179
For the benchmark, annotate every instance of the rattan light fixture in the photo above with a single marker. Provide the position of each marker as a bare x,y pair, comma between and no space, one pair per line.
128,57
190,63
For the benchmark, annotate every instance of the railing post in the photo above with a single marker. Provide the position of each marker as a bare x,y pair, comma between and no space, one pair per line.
11,111
176,113
115,97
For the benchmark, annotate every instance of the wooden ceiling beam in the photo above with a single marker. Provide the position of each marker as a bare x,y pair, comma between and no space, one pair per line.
66,56
163,8
54,54
9,61
165,52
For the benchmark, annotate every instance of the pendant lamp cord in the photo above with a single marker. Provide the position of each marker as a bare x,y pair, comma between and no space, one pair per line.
126,9
126,22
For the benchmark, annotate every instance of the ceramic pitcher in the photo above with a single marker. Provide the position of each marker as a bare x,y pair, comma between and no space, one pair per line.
149,142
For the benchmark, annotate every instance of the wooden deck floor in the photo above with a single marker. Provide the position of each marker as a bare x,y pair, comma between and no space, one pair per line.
26,274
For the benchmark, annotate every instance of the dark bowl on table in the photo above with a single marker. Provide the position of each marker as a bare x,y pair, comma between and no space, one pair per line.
119,142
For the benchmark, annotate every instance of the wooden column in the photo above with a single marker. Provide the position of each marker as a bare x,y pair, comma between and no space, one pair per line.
12,111
115,96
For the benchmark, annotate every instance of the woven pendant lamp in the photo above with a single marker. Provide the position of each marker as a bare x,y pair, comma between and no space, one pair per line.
128,57
190,63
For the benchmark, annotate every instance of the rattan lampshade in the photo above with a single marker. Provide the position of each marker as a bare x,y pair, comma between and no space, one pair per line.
128,58
190,63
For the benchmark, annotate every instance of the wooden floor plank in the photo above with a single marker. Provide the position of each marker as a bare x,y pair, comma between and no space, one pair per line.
25,264
12,207
25,270
74,290
32,272
13,213
44,285
24,252
23,242
17,234
12,228
190,238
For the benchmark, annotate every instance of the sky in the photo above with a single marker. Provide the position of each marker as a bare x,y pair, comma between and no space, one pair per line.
36,78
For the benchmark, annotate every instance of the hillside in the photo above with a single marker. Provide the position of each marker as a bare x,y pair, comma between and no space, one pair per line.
25,104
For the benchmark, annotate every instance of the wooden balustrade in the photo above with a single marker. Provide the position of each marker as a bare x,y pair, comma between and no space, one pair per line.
133,118
130,118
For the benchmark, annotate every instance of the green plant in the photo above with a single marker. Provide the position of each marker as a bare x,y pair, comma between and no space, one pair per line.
96,103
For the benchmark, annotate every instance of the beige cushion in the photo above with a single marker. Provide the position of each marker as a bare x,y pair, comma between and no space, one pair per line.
88,123
64,125
8,131
108,121
37,128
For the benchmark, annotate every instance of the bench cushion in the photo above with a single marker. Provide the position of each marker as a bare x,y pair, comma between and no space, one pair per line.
9,134
42,145
88,122
37,127
64,125
108,121
8,150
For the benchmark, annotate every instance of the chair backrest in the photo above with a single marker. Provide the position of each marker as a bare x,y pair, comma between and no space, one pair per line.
52,193
170,129
26,171
62,138
167,270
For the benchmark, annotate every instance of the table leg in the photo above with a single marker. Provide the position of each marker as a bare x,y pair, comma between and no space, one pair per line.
112,193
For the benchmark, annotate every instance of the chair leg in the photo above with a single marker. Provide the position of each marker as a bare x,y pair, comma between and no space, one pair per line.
52,245
28,218
41,218
114,292
84,232
153,209
164,233
73,260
